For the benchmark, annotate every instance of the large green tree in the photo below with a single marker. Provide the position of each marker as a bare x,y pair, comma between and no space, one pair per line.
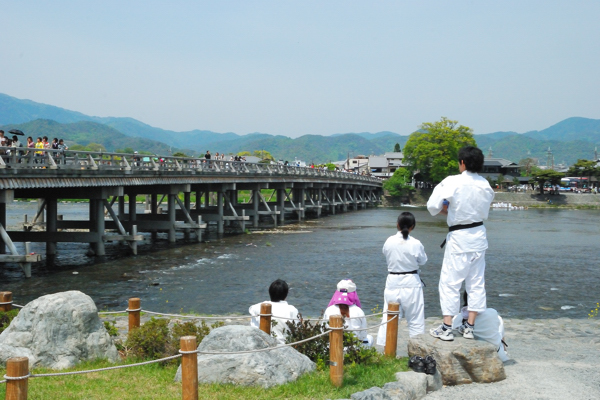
584,168
433,150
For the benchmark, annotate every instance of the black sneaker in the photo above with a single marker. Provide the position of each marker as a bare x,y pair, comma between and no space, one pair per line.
417,364
430,365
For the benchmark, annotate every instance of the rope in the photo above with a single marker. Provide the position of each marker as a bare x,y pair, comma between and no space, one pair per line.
112,312
261,350
4,381
3,303
197,317
137,309
17,305
372,327
105,369
15,378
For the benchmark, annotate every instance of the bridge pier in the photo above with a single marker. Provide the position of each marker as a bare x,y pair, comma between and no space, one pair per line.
51,218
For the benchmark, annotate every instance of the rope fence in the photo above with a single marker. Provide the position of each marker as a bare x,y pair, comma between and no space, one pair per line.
17,368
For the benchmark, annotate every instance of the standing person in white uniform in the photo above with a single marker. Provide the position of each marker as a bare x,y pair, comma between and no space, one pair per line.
490,327
345,302
403,285
281,311
465,199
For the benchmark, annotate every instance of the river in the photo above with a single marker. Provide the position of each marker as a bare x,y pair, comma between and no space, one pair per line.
541,263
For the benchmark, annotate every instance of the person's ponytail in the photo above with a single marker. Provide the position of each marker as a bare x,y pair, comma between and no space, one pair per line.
406,222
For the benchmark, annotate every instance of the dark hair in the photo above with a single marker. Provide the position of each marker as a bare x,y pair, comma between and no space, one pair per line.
472,157
344,310
15,137
45,138
406,221
39,138
55,139
278,290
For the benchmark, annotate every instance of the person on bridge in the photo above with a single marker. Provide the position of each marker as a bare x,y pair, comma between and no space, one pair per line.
345,302
404,254
281,311
465,199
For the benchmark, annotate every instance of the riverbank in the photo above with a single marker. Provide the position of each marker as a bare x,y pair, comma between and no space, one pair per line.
529,199
549,359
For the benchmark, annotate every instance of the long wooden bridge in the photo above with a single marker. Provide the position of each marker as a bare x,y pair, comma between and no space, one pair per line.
113,182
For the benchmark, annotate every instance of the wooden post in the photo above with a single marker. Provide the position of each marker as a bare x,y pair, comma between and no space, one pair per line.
17,367
336,351
134,308
265,318
189,369
6,297
391,334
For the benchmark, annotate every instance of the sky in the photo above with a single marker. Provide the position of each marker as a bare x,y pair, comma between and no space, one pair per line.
307,67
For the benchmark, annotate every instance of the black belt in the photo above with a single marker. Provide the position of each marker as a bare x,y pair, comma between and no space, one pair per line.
416,271
459,227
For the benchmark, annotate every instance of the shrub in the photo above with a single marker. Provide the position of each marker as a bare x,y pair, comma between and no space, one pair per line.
6,318
155,340
111,328
317,350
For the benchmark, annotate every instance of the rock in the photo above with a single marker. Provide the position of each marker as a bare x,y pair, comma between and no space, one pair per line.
57,331
434,382
374,393
416,381
460,361
266,369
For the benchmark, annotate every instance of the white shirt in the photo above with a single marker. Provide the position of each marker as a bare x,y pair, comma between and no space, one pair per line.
281,309
358,320
403,256
470,197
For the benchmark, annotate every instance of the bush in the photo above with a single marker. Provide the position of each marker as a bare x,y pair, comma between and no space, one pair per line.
317,350
155,340
111,328
6,318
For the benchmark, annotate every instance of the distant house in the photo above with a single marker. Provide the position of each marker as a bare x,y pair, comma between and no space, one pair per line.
359,164
494,167
384,166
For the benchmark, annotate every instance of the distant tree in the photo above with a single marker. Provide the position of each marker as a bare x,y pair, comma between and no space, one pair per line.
526,164
584,168
433,150
330,166
397,148
263,155
180,154
244,153
399,183
541,176
500,181
95,147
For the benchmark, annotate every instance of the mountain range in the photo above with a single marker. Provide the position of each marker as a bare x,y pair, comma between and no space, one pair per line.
569,140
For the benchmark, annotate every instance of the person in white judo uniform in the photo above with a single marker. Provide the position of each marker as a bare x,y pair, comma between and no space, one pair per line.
281,311
489,327
345,302
403,254
465,199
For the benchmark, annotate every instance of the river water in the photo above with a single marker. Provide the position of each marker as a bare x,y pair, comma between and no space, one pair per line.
541,263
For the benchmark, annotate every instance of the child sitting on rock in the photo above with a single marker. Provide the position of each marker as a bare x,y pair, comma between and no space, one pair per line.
281,311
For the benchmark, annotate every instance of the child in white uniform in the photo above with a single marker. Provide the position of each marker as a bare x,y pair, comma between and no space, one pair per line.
281,311
345,302
404,254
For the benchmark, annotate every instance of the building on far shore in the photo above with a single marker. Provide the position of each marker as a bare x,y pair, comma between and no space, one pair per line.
384,166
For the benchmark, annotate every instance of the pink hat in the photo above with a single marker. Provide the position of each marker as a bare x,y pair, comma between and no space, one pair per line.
345,294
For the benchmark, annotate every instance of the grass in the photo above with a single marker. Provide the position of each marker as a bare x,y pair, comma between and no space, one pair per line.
156,382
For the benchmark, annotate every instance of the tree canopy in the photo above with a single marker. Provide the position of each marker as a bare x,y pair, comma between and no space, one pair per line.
399,183
542,176
433,150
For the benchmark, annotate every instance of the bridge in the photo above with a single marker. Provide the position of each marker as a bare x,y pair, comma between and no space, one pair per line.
180,194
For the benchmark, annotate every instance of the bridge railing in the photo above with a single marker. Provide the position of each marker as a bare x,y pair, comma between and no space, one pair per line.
27,159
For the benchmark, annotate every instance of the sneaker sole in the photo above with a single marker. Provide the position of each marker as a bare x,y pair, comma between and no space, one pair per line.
468,336
444,338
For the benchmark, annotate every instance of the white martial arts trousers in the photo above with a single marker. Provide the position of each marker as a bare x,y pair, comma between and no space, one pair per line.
459,267
412,308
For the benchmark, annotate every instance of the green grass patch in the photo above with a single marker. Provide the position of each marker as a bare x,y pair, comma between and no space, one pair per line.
156,382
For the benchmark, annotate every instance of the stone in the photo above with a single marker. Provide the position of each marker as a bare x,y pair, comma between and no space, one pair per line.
415,380
434,382
460,361
57,331
374,393
266,369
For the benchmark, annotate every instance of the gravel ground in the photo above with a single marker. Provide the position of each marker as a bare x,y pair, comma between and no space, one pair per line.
550,359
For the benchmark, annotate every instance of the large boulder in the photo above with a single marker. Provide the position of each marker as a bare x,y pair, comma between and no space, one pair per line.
57,331
460,361
267,368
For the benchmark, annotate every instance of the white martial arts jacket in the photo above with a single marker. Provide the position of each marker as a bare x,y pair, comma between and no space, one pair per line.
357,321
281,309
470,197
403,256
